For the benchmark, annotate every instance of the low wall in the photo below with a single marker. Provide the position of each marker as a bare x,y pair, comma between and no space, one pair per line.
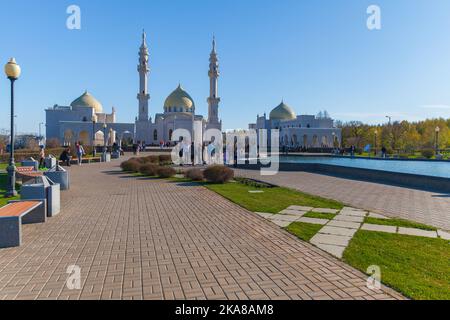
428,183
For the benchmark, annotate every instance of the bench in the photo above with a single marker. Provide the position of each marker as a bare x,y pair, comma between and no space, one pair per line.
83,160
27,173
21,170
16,213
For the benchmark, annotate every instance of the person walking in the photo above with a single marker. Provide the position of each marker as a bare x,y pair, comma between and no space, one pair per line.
80,153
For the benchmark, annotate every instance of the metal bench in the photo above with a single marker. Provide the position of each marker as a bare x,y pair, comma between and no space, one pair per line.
16,213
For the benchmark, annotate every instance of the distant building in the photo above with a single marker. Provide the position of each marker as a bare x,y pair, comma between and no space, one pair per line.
305,131
76,122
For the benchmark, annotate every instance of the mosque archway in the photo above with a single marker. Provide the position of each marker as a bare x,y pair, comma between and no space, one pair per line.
305,141
325,141
315,141
68,137
84,138
99,138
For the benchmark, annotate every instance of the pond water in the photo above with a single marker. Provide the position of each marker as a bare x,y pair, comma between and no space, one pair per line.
426,168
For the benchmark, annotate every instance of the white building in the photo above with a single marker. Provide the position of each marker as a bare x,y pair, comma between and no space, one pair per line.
304,131
75,122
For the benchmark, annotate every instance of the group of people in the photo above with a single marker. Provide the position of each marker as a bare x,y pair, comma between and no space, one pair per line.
66,155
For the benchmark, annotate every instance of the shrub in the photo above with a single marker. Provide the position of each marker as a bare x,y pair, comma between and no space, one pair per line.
166,172
149,169
428,153
194,174
165,159
132,165
151,159
218,174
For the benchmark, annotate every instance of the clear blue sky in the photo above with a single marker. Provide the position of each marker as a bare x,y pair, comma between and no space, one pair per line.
315,54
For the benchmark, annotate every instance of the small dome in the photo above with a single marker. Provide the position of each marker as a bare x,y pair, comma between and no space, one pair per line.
283,112
87,101
179,101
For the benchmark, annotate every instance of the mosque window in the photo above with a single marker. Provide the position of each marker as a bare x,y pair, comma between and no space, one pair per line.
155,135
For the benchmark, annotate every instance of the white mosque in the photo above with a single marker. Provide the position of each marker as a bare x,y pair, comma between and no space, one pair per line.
84,120
300,132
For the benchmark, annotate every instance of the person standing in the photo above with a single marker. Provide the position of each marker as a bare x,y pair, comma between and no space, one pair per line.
41,157
80,153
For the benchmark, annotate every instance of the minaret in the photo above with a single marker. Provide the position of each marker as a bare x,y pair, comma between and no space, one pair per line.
143,69
213,100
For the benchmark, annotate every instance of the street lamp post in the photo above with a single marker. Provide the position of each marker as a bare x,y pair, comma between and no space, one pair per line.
94,150
12,71
40,133
104,141
376,141
437,130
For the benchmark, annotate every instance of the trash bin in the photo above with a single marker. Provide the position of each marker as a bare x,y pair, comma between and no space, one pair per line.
106,157
59,175
31,162
42,188
115,155
50,162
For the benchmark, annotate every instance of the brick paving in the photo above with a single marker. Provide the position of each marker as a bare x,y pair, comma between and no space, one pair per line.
425,207
137,238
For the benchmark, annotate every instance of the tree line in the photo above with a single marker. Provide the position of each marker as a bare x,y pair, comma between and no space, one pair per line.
397,137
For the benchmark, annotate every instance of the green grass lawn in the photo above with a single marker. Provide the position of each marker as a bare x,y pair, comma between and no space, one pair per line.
3,182
399,223
418,267
317,215
5,165
304,231
272,200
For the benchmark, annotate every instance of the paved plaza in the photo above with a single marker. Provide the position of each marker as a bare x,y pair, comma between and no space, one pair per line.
137,238
421,206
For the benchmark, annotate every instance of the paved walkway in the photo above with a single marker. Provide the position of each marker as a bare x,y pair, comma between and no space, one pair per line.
137,238
416,205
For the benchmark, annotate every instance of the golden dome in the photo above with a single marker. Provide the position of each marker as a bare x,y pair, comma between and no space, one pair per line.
283,112
179,101
87,101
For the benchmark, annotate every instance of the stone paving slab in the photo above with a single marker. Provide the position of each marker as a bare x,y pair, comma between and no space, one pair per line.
283,217
350,213
337,251
313,221
338,231
324,210
281,223
138,238
444,235
344,224
417,232
300,208
377,216
379,228
349,218
265,215
330,239
293,213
